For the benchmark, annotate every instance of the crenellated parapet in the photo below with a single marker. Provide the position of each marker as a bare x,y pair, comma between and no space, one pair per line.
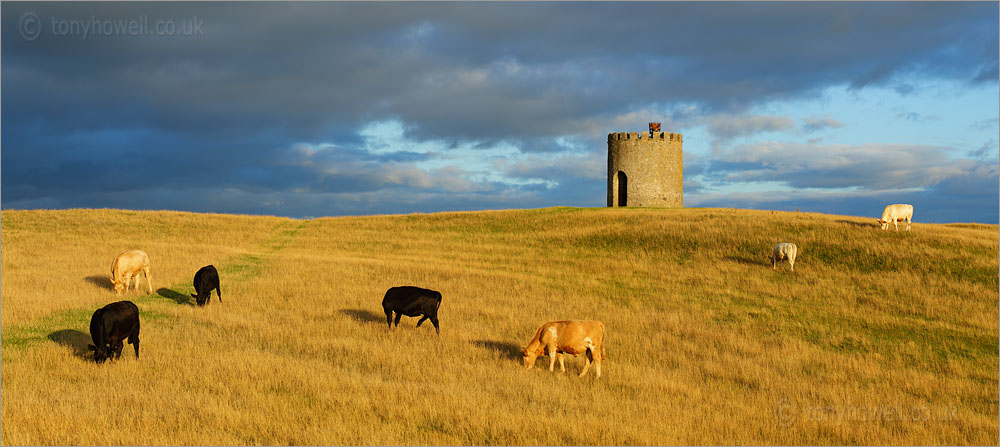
646,135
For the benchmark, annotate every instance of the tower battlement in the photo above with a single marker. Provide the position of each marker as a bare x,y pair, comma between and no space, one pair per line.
645,168
646,135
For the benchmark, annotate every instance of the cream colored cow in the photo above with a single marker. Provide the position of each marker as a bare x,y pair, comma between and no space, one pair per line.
782,251
895,213
567,337
126,267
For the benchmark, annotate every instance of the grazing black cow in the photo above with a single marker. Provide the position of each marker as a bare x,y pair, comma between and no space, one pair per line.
412,301
112,324
205,280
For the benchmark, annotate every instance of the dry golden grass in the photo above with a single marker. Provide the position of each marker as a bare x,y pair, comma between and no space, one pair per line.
877,338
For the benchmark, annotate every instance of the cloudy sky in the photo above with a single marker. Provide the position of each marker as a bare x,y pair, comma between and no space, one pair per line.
323,109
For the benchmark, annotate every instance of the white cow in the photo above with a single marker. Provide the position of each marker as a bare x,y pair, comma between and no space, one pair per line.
895,213
126,267
782,251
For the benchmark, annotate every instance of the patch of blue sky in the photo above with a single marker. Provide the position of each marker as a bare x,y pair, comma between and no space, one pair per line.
477,162
936,113
747,187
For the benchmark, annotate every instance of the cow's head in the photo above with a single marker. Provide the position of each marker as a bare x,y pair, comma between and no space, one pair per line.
120,286
528,358
883,223
198,299
100,353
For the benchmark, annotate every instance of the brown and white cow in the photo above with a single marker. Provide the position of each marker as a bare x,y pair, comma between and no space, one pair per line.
126,267
567,337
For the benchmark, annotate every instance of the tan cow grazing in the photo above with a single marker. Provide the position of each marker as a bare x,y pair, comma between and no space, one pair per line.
569,337
126,267
895,213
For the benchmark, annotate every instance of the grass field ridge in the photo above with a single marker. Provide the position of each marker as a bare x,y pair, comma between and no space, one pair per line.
878,337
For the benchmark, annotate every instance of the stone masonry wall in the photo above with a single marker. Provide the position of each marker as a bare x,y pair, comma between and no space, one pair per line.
653,164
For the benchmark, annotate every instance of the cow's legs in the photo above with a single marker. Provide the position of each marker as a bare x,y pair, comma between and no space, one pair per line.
388,317
116,349
907,224
437,328
134,341
398,316
589,356
552,357
218,291
597,363
562,361
421,320
592,358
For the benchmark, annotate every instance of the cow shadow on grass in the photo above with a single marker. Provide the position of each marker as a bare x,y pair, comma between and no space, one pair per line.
749,261
857,224
101,281
73,339
178,298
504,349
364,316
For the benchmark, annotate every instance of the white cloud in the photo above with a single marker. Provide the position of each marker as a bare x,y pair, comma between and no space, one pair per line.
813,124
868,166
727,127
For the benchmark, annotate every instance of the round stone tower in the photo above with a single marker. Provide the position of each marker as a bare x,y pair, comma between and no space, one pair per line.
645,168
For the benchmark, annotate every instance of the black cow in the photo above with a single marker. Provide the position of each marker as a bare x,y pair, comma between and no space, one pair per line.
412,301
112,324
205,280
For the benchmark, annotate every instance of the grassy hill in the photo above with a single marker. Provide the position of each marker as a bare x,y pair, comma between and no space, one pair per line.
876,338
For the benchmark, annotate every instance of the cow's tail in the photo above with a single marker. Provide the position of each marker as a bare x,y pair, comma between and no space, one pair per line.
593,349
114,268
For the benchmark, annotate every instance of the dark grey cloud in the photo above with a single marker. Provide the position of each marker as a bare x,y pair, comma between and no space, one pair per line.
214,119
477,70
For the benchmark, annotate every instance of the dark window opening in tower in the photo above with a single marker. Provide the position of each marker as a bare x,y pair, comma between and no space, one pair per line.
622,189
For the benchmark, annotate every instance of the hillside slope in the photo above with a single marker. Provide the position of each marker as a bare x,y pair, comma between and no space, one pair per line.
876,338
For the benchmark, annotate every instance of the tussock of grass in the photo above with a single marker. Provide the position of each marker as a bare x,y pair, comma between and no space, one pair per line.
877,338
